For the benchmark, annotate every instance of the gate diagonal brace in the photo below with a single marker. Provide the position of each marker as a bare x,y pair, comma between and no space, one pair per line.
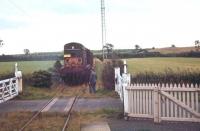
180,103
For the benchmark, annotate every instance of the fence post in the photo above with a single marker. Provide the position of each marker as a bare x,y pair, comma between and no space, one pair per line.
125,67
156,104
126,83
18,74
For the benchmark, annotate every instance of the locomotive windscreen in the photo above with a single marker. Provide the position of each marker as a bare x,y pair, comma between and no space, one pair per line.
73,53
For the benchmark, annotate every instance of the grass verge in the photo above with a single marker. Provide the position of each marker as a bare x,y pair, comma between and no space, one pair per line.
13,121
33,93
44,122
54,121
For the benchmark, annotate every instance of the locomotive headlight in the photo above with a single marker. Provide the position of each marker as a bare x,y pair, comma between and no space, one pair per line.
67,55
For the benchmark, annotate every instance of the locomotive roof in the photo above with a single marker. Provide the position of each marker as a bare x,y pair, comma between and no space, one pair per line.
74,45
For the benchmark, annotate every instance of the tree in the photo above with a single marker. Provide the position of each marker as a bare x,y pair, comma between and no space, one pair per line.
197,44
109,48
26,51
173,46
1,43
57,66
56,74
137,47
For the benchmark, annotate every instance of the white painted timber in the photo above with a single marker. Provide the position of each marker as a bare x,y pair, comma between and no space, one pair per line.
8,89
69,104
171,102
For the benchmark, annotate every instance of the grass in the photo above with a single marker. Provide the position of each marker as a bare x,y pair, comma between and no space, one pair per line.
48,122
98,68
33,93
26,67
159,65
53,121
13,121
171,50
135,65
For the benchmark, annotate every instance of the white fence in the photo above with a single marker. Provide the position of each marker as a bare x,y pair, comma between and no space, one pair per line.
158,101
10,88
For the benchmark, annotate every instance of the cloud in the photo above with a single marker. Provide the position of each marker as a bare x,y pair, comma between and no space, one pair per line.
47,27
49,32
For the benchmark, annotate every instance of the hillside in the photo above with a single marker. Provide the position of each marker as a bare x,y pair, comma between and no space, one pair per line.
173,50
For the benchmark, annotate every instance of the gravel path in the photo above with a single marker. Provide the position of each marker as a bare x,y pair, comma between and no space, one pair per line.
93,104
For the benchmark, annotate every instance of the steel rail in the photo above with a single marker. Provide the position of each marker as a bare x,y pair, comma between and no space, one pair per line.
69,114
38,112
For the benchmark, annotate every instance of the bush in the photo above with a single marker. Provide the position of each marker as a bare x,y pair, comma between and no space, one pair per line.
27,79
55,71
41,79
108,73
57,66
169,76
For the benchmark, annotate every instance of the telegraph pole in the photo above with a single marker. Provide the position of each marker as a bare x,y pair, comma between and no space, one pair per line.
103,27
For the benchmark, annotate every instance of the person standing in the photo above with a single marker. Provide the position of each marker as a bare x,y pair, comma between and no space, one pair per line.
92,81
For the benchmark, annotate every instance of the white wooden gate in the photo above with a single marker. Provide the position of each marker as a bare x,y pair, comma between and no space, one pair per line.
158,101
8,89
164,102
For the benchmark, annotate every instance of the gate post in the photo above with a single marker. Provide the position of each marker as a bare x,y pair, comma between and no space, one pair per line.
18,74
126,82
156,107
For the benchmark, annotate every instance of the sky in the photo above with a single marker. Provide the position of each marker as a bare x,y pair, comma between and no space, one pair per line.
46,25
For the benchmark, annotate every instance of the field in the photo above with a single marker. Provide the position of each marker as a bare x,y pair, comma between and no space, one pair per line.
25,66
173,50
137,65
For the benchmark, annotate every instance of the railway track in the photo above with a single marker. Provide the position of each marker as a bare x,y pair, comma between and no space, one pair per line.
69,114
45,108
60,89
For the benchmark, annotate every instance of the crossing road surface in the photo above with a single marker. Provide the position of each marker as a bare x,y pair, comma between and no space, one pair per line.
60,105
63,105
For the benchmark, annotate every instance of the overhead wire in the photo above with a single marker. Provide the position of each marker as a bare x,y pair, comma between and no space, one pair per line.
19,8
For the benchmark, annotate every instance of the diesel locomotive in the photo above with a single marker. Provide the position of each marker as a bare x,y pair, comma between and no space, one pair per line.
78,61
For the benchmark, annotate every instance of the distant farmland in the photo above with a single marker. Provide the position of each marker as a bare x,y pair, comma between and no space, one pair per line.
135,65
173,50
25,66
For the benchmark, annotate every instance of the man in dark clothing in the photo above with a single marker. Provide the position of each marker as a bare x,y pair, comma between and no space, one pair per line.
92,81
